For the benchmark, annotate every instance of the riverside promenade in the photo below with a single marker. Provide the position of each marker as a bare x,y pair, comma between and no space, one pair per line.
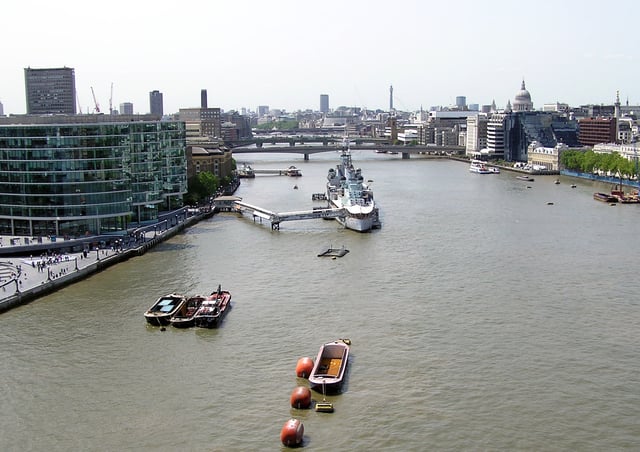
23,278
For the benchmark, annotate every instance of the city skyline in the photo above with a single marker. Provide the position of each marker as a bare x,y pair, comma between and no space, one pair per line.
284,54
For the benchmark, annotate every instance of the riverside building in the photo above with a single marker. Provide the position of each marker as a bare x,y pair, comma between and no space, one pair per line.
88,174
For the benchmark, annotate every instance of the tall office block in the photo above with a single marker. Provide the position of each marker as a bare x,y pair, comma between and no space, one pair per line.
461,102
155,103
203,98
1,109
50,91
126,108
324,103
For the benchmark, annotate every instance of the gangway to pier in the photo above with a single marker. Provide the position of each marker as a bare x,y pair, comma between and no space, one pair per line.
291,171
276,218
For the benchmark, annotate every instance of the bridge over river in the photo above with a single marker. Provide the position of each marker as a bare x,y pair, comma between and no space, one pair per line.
307,150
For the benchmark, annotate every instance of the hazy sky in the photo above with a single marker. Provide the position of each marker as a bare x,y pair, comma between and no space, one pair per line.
285,53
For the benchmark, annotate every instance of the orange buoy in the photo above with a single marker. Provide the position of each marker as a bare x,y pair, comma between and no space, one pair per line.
304,367
292,433
301,397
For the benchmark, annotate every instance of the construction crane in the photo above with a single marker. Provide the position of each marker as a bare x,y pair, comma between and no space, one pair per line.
111,100
95,102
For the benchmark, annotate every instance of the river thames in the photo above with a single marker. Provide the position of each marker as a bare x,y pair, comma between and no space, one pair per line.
488,313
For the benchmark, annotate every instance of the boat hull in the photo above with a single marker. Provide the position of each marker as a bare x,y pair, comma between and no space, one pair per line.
605,197
330,366
213,310
158,320
185,316
164,308
363,220
356,224
182,323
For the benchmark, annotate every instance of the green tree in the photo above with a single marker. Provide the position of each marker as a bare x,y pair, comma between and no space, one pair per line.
201,186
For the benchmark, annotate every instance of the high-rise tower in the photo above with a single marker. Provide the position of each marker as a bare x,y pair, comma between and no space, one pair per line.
324,103
155,103
50,91
203,98
391,98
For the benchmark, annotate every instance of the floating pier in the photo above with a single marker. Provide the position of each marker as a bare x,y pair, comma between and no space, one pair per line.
334,252
292,171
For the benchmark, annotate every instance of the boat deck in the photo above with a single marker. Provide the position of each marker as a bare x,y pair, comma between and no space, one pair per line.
329,367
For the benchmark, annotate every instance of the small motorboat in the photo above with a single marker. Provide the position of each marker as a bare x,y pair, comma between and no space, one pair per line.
185,315
327,375
213,309
525,177
605,197
164,308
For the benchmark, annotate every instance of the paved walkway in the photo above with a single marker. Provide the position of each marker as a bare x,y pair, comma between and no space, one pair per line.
26,277
24,273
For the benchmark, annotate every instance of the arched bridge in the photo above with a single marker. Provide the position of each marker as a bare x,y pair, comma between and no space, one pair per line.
307,150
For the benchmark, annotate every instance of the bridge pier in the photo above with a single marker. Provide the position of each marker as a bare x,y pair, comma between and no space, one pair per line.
406,156
306,157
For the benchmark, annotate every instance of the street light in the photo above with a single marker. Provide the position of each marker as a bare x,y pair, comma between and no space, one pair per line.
635,153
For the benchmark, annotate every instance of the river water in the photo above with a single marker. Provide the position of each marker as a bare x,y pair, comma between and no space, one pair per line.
487,313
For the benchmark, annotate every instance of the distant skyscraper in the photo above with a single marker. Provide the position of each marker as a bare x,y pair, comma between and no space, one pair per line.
1,109
461,102
50,91
203,98
155,103
263,110
391,98
126,108
324,103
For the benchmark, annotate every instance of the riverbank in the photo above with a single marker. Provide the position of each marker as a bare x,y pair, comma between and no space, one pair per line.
26,278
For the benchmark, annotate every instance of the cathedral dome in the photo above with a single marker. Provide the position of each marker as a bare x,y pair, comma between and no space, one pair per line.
522,101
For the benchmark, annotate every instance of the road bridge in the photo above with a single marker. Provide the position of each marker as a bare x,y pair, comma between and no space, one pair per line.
276,218
326,140
307,150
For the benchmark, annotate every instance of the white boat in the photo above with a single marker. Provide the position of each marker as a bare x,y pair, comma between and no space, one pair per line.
480,167
347,190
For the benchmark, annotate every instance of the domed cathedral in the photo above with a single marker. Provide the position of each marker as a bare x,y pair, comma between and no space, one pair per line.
522,101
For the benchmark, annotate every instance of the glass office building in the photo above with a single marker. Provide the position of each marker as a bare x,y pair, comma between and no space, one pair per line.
89,177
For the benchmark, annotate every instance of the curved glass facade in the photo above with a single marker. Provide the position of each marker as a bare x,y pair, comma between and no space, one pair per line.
78,179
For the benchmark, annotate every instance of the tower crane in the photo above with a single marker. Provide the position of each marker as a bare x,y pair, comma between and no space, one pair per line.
95,102
111,100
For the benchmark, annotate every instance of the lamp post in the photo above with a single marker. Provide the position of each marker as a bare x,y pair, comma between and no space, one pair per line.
635,154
